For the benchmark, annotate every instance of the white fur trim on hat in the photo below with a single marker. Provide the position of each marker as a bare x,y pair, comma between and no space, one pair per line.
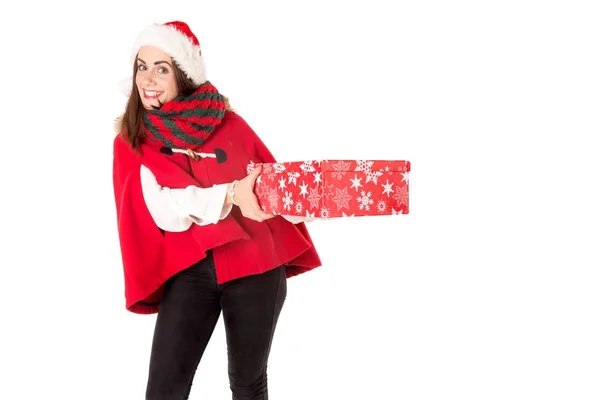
125,85
177,45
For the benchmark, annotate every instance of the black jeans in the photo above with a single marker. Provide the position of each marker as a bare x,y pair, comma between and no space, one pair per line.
188,313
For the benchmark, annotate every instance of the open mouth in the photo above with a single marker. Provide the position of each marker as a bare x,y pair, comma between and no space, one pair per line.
151,94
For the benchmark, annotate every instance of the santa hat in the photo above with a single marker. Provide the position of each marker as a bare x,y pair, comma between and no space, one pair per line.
176,39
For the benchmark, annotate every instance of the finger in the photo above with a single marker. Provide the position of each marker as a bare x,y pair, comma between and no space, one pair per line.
254,175
265,215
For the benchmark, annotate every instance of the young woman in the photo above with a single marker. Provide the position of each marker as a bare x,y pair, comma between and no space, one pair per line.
193,239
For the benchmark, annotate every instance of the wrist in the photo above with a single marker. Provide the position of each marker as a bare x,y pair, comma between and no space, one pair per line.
231,192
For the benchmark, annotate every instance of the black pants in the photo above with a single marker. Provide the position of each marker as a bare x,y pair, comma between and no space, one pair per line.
187,317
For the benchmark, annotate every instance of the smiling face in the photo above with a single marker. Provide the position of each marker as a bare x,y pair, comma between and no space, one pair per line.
155,77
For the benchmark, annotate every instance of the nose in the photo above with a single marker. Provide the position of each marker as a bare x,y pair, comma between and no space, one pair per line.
149,80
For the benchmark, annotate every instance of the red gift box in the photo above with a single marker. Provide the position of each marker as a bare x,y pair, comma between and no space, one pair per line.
333,188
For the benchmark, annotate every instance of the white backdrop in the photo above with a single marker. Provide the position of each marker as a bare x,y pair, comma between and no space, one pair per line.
488,289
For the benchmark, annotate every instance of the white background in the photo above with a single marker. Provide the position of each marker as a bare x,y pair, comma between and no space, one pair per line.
488,289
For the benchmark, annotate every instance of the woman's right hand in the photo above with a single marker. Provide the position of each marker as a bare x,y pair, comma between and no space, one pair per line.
246,199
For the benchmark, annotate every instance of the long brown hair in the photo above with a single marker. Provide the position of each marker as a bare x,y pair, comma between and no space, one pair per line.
130,123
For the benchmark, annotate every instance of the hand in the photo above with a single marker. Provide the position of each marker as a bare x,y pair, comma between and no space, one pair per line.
246,199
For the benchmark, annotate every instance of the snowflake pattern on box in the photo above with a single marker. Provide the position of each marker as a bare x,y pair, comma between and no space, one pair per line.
334,188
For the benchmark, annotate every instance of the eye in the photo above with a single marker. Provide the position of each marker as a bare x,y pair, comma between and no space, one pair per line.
163,70
141,67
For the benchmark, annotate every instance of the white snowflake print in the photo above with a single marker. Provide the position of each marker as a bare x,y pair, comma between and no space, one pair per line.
394,212
328,190
299,208
401,195
364,200
405,177
315,198
387,188
324,213
273,198
250,167
340,168
346,216
303,191
341,198
267,169
372,176
317,176
282,184
355,183
261,191
381,206
278,167
307,167
363,165
292,176
287,201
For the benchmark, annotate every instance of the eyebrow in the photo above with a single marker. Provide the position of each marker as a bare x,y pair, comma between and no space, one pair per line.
157,62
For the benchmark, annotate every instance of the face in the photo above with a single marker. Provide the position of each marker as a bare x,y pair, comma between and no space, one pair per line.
155,78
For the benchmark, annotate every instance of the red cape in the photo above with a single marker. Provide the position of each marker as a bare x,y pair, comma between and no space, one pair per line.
240,246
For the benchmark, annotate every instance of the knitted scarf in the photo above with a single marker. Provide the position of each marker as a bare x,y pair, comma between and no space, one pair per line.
185,122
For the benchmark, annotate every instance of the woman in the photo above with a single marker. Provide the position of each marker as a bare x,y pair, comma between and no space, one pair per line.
193,238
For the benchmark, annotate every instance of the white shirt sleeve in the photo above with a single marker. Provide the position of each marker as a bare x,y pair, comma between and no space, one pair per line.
175,210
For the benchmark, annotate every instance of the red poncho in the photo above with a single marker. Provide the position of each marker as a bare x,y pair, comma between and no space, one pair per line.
240,246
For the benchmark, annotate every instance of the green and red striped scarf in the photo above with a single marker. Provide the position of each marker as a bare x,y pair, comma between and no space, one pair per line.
186,122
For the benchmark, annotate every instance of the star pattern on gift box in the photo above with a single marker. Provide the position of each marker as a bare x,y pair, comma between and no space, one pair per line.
261,191
303,191
314,197
287,201
342,198
381,206
387,188
328,190
334,188
282,183
401,196
356,183
317,176
278,167
292,177
307,167
364,200
341,168
324,213
365,166
273,198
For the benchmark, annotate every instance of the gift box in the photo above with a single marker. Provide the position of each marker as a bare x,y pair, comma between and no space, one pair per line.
333,188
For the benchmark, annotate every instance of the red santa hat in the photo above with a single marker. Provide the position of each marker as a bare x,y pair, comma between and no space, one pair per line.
176,39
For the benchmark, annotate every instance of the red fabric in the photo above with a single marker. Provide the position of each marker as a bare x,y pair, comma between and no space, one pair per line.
241,246
185,29
334,188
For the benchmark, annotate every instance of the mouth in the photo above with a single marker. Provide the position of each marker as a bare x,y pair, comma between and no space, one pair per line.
151,94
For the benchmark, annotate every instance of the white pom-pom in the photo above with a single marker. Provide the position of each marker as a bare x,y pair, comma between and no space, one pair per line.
125,86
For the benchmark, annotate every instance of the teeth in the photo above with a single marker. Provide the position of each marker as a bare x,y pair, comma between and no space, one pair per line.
152,93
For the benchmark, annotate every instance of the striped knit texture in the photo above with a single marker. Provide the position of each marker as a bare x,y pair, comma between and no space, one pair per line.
186,122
